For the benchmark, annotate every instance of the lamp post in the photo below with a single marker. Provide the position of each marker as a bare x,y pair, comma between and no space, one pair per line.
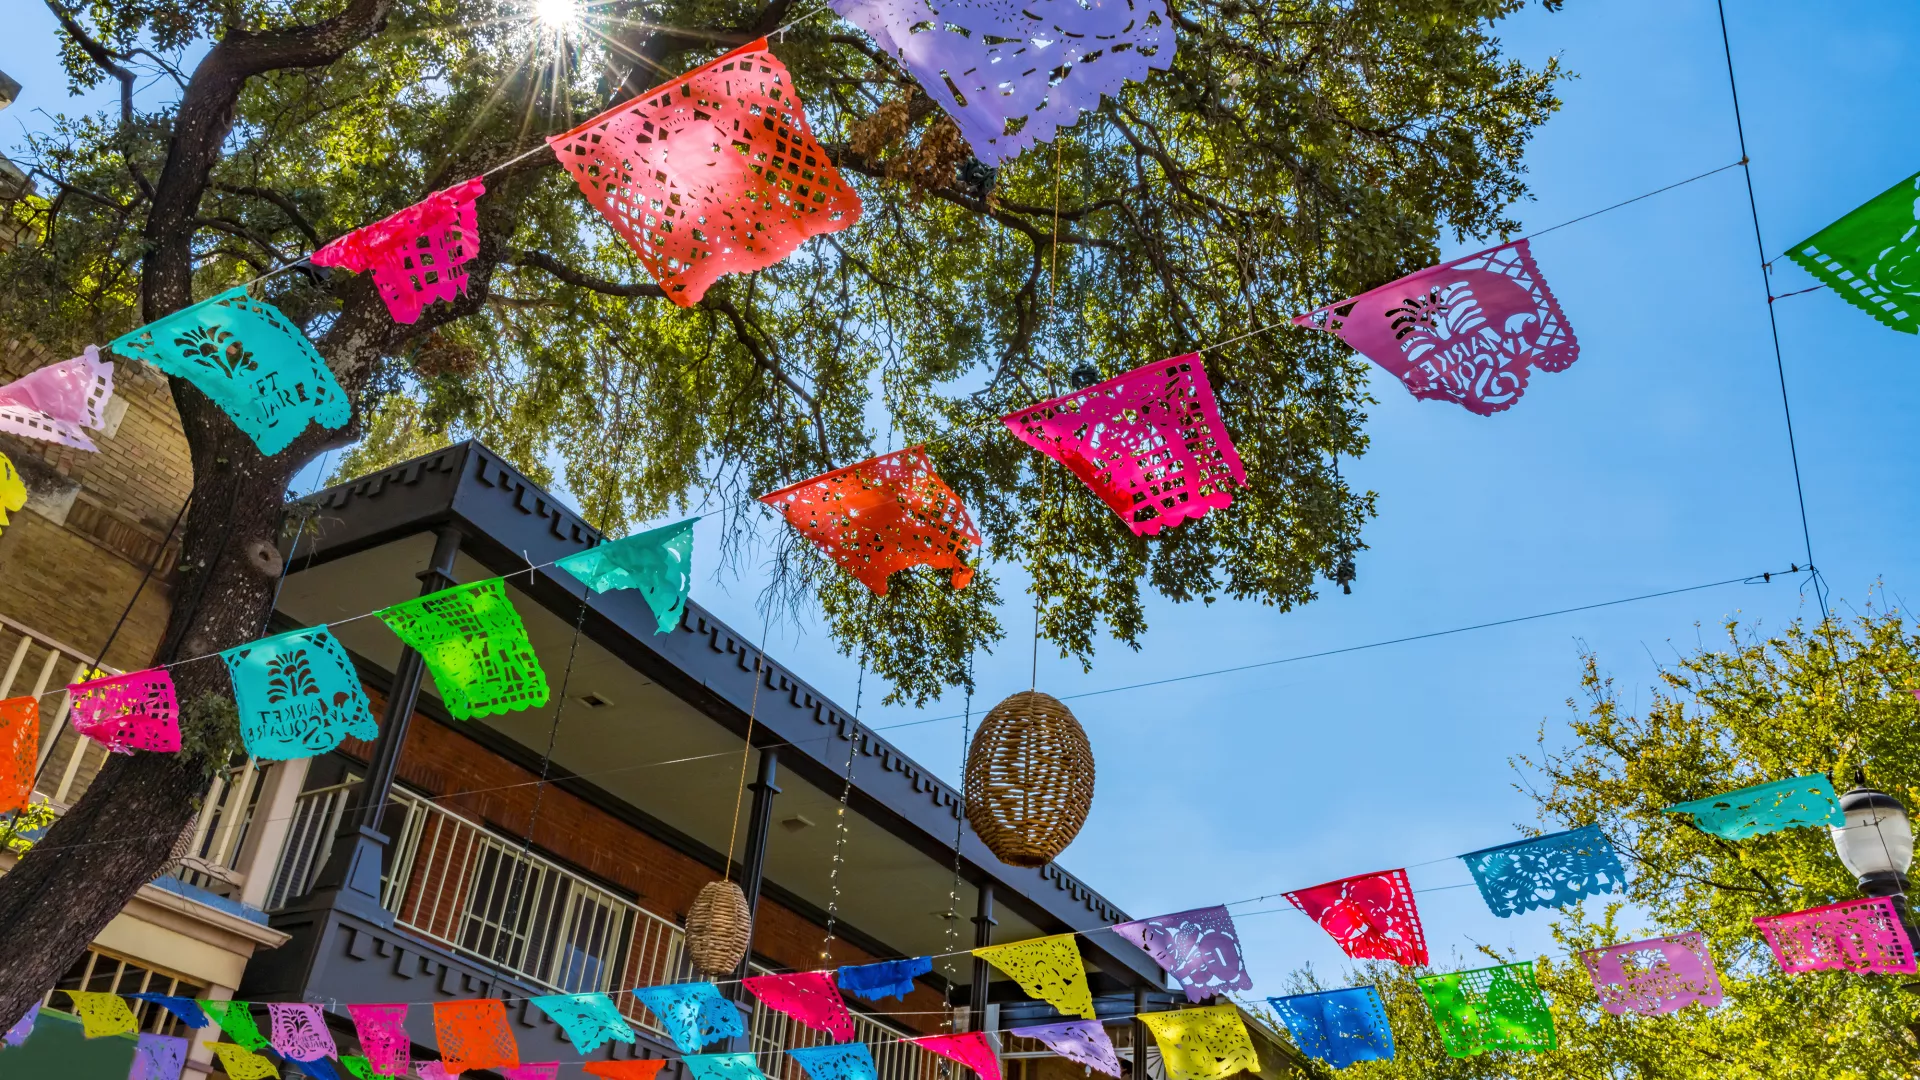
1876,843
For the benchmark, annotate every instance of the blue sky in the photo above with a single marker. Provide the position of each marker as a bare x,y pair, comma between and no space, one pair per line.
1658,461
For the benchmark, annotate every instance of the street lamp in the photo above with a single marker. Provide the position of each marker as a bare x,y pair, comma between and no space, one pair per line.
1876,843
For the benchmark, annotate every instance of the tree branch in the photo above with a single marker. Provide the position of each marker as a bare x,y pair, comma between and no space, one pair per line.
102,57
748,341
543,261
285,204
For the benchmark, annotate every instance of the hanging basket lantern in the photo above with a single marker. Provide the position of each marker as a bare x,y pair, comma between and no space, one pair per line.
718,928
1029,779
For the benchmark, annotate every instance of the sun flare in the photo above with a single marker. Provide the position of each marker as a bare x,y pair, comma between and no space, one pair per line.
557,15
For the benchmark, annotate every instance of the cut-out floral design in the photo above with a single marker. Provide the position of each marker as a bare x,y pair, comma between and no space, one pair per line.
1654,977
1871,257
884,514
474,643
1208,1043
1340,1027
474,1034
657,563
590,1020
1372,916
299,695
382,1031
849,1061
1861,936
1083,1042
1547,871
809,997
124,713
1199,948
1803,801
1048,968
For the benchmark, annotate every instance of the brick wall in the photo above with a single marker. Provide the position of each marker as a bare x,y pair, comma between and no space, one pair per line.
441,761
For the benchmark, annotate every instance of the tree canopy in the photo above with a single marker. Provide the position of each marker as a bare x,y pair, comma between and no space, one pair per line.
1811,699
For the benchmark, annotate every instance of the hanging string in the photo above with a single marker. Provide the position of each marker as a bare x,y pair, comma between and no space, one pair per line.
959,833
746,745
840,820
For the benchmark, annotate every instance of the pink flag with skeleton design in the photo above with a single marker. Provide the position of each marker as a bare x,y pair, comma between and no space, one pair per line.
1469,331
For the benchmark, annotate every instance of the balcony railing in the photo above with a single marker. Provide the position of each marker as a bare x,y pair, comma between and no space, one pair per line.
68,761
454,882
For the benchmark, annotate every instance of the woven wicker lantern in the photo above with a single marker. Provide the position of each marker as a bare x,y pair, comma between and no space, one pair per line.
1029,779
718,928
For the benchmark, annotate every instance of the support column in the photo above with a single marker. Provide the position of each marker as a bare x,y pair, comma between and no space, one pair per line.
353,869
983,924
753,869
1142,1038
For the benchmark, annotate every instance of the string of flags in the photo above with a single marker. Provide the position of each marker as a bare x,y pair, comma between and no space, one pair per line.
1371,916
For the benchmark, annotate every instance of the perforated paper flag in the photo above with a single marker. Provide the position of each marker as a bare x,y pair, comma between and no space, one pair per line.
358,1067
1854,935
186,1008
321,1069
590,1020
692,1014
474,1034
1871,257
124,713
713,173
1372,916
1339,1027
626,1070
102,1014
548,1070
298,695
23,1027
382,1031
1200,948
236,1019
19,751
1150,443
969,1048
722,1067
1495,1008
383,1036
299,1032
884,514
1546,872
249,360
850,1061
476,646
437,1070
809,997
158,1057
418,255
1202,1044
240,1063
1654,977
1766,808
887,979
13,491
1083,1042
54,403
1468,331
1012,75
1048,968
658,563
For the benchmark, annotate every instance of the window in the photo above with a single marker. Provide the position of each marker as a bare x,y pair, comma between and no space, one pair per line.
103,972
541,922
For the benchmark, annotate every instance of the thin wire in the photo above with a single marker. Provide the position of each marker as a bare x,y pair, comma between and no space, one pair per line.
746,745
1773,323
840,818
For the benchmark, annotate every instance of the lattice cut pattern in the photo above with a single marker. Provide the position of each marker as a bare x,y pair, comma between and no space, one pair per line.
1149,443
1372,916
124,713
1468,331
102,1014
382,1031
187,1009
590,1020
1012,74
1871,257
692,1014
1654,977
884,514
645,1069
240,1063
1340,1027
158,1057
474,643
249,360
1200,948
299,1032
850,1061
809,997
1547,871
1495,1008
1083,1042
13,491
1202,1044
713,173
236,1019
474,1034
299,695
1048,968
969,1048
1766,808
358,1067
54,403
437,1070
19,751
722,1067
887,979
418,255
1862,936
657,563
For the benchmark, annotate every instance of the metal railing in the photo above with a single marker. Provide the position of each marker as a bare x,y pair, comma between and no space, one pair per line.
453,881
